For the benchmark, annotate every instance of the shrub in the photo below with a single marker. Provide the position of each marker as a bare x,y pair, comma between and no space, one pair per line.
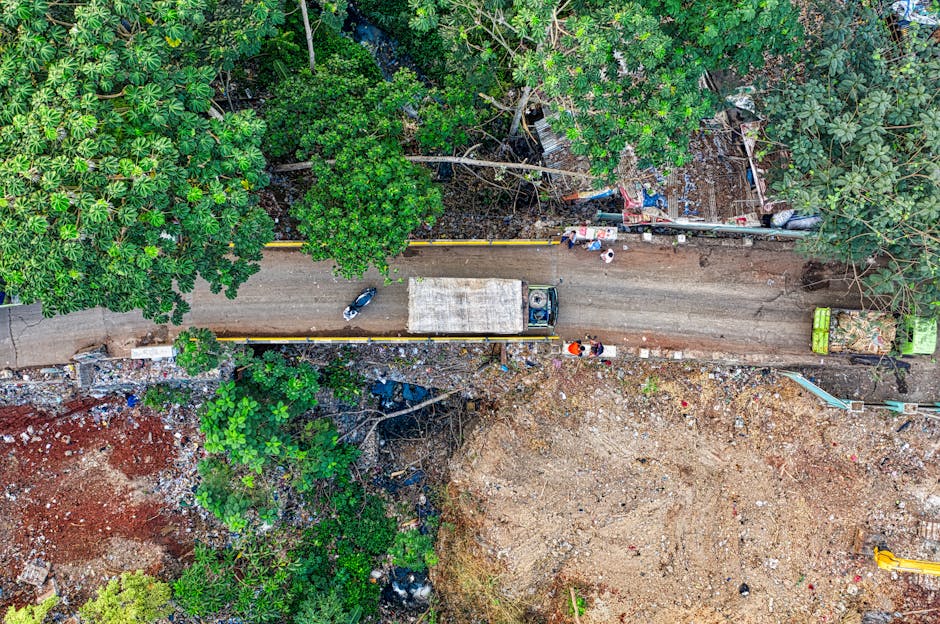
160,396
345,383
230,498
133,598
30,614
325,608
208,585
414,550
198,351
254,583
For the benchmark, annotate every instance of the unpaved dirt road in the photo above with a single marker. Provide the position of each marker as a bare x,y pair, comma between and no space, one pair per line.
704,296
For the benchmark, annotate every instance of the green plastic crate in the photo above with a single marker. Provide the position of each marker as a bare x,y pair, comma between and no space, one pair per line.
821,319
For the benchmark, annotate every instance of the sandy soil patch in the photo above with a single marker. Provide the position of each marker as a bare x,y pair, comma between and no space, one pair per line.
658,490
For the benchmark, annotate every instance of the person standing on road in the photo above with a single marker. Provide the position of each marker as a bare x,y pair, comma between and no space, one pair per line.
608,256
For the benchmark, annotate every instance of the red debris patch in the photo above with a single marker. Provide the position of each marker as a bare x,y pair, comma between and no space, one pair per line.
74,484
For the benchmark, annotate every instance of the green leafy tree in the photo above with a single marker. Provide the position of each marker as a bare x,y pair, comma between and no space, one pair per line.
117,189
863,131
133,598
249,419
30,614
255,423
366,197
739,32
608,70
615,80
197,350
235,29
615,74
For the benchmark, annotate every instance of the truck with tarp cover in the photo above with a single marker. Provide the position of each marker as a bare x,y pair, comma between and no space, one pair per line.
487,306
863,332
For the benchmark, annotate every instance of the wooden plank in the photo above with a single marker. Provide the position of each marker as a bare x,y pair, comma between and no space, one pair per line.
672,196
712,215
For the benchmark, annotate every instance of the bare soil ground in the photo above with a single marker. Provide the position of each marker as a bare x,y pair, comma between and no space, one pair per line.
92,493
653,489
656,490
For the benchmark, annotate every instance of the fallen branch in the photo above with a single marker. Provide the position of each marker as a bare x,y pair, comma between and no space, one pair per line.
457,160
492,101
574,606
413,408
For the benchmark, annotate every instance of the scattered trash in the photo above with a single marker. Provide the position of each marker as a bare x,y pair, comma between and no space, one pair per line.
792,220
34,573
744,590
408,588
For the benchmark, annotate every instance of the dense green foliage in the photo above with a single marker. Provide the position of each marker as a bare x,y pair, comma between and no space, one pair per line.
616,73
366,198
235,29
863,131
345,382
269,463
739,32
160,397
118,190
617,80
413,549
252,582
197,350
255,424
233,497
427,49
319,572
30,614
132,598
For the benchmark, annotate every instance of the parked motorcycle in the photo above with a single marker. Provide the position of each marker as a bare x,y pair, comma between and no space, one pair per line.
361,301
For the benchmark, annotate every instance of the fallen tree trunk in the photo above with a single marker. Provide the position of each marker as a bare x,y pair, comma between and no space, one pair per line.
413,408
457,160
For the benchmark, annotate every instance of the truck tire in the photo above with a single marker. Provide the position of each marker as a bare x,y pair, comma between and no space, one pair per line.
538,299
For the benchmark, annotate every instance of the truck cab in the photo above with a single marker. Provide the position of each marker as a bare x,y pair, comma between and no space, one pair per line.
543,306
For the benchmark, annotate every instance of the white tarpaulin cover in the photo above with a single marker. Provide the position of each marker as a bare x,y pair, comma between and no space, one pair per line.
449,305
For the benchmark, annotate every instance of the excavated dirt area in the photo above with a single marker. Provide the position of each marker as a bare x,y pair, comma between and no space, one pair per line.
93,493
656,490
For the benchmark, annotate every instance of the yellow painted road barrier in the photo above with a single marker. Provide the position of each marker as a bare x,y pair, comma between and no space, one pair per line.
478,242
381,339
443,242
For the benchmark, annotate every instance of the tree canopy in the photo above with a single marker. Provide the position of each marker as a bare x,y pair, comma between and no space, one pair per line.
863,132
366,197
616,73
118,189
